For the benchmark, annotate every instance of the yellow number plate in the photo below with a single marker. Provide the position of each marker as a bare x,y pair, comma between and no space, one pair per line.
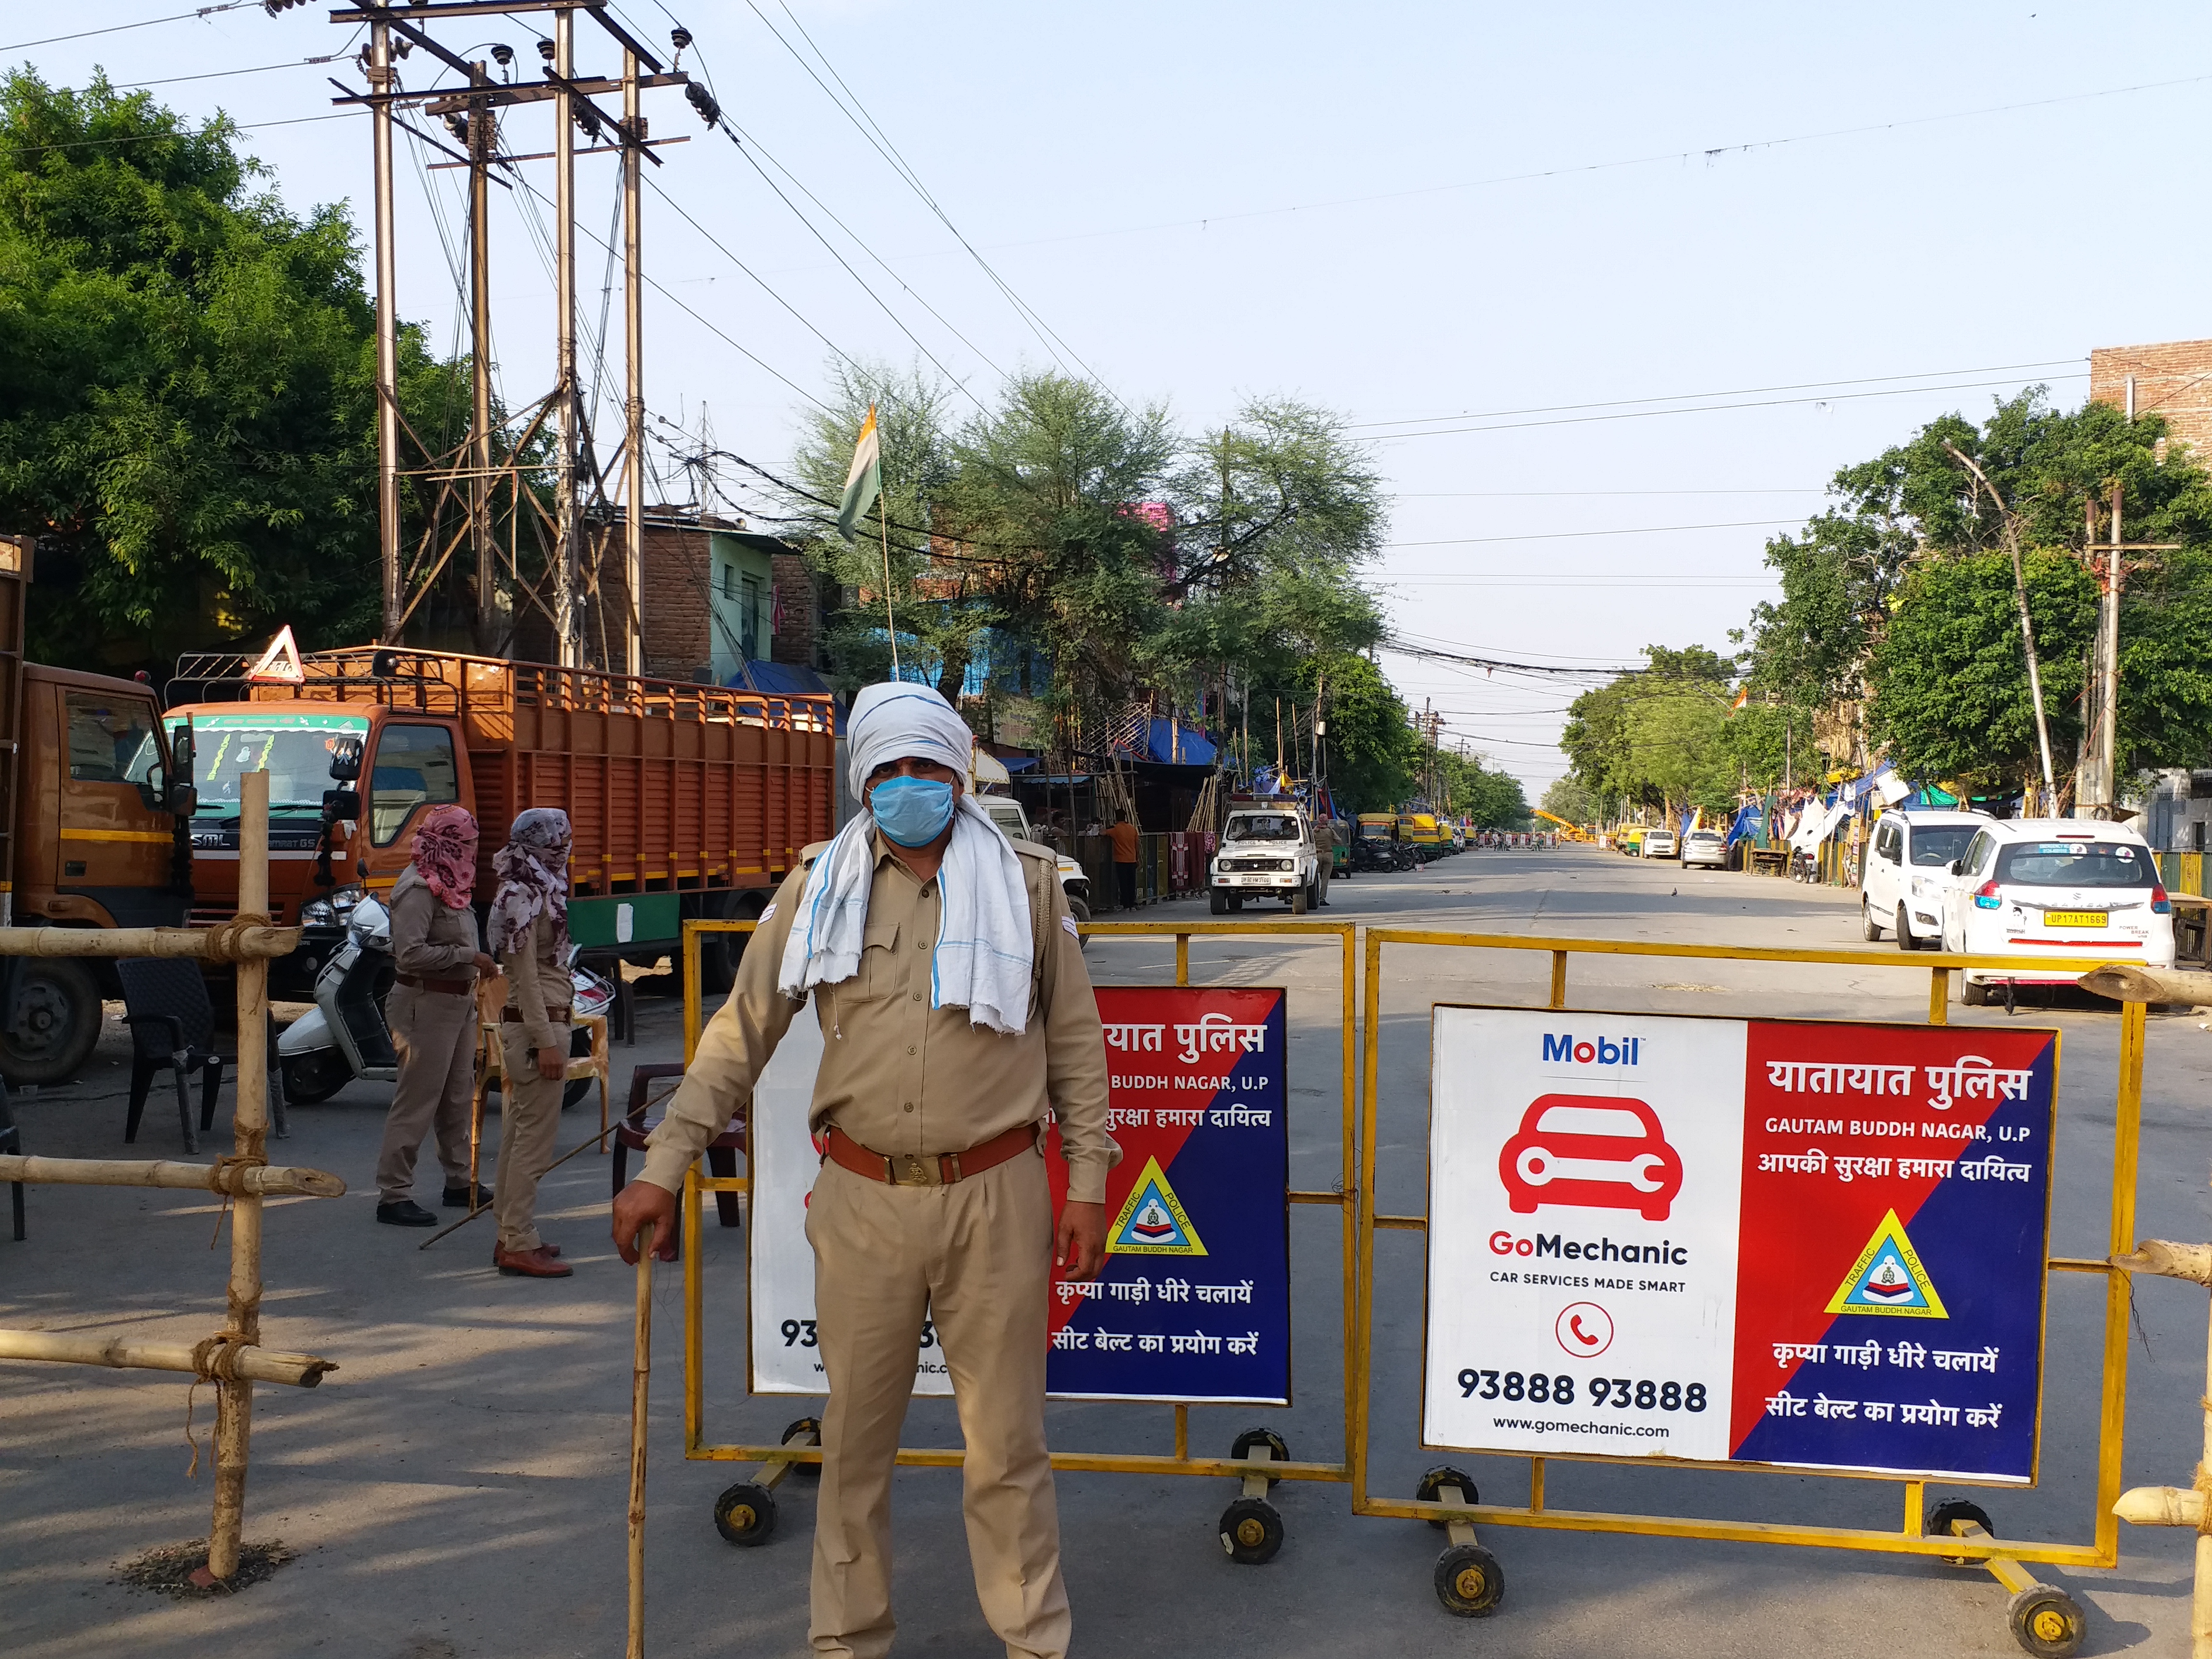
2073,918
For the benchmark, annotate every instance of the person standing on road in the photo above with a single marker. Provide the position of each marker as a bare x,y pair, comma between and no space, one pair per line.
1125,858
530,937
957,1018
432,1012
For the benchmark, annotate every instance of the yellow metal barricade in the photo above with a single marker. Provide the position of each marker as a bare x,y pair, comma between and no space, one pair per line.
2044,1617
747,1518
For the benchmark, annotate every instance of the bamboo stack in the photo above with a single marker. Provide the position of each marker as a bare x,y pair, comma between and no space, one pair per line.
232,1360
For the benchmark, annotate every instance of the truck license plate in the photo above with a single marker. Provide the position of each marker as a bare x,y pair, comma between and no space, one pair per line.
2073,918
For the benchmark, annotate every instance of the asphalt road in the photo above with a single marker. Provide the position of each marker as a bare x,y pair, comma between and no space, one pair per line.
457,1487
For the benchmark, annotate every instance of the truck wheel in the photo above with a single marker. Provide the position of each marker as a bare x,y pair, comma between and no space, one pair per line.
1079,910
60,1023
1298,901
1217,902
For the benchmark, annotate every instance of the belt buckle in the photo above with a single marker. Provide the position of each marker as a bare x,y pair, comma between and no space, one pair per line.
911,1169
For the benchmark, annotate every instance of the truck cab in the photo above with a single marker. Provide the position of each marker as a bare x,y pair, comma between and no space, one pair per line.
1006,812
1266,850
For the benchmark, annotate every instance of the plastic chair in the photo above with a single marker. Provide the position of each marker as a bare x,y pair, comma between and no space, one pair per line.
11,1140
722,1152
172,1025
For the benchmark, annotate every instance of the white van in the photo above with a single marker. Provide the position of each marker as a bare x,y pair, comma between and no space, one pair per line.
1907,867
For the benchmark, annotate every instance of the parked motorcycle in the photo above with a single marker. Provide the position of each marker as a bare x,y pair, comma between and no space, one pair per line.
345,1035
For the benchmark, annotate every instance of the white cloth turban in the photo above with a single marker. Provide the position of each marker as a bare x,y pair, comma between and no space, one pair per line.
898,721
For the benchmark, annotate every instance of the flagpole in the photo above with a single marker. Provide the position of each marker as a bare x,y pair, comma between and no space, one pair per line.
883,526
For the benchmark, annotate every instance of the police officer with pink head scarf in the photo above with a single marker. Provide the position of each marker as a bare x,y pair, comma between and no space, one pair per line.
432,1012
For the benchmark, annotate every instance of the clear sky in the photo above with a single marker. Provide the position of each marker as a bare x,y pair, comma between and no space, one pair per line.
1397,211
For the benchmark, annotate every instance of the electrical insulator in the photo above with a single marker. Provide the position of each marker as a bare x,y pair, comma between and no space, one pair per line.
588,118
502,54
681,37
459,126
703,101
545,50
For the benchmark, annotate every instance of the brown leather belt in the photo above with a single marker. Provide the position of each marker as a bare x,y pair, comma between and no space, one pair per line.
512,1015
452,988
929,1169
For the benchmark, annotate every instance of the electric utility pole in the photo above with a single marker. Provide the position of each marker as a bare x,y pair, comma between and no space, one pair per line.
2096,788
471,472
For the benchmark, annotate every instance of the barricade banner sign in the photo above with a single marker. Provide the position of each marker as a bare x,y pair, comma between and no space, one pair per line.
1194,1303
1776,1241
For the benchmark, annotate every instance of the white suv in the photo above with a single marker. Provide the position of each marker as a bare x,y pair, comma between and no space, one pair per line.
2055,887
1659,844
1907,868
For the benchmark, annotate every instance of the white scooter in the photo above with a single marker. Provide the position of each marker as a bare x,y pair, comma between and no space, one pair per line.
344,1036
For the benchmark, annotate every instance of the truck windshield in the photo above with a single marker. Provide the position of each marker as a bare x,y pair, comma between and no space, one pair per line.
1263,826
111,740
294,749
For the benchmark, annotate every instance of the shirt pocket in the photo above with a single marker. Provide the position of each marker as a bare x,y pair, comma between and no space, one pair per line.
880,967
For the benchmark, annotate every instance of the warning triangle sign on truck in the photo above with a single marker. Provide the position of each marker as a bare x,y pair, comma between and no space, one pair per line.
1889,1278
280,663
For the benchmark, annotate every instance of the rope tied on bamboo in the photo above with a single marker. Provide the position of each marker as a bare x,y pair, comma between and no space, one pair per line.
214,1360
226,940
2202,1483
227,1176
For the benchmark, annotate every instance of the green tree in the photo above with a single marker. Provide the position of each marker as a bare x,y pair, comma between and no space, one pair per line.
1370,749
186,420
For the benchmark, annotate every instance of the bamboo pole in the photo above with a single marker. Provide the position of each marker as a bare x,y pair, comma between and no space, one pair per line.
262,1181
640,1379
2125,982
302,1370
2171,1506
233,1410
227,943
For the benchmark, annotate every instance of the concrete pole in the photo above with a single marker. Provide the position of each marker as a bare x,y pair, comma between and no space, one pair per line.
634,365
2108,689
481,145
381,79
567,571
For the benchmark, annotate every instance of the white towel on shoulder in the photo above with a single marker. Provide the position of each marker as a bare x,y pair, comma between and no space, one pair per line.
984,955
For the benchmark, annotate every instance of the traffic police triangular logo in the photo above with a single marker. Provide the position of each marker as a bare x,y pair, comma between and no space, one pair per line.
1152,1221
1887,1278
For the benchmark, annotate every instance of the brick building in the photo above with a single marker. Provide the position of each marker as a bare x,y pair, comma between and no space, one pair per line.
717,595
2174,380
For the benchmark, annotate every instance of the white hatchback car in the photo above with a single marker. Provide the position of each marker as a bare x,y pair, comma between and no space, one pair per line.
1705,846
1907,868
2055,887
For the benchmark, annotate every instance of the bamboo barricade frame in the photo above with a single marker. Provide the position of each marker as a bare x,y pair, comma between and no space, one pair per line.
802,1446
232,1360
1965,1542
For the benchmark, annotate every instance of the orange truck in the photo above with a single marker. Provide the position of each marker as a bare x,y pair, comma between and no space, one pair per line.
93,808
686,800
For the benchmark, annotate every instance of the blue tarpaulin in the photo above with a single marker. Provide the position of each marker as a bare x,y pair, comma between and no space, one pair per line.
784,679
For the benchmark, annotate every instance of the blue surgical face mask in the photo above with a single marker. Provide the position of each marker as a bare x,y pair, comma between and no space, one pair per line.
912,811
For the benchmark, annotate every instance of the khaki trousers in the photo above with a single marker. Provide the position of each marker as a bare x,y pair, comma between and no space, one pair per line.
975,1257
435,1032
529,1116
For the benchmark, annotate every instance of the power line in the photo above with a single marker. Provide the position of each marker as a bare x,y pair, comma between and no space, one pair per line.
1579,535
1706,156
143,23
1708,409
218,75
223,122
1687,397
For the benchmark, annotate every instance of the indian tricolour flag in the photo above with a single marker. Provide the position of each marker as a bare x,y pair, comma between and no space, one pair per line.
865,482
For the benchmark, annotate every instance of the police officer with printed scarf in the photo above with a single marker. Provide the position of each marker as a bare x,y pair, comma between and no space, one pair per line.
957,1016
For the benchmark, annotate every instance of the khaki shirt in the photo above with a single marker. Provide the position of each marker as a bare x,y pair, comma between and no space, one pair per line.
429,939
897,1075
538,982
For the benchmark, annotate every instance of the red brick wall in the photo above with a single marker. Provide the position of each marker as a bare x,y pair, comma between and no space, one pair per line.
2174,379
797,621
675,618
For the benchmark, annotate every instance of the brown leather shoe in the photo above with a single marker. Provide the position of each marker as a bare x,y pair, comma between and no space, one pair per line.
539,1263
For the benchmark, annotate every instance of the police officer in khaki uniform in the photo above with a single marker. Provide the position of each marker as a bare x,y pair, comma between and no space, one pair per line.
957,1015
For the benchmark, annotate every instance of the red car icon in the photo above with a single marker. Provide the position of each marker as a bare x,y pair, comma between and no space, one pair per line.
1593,1151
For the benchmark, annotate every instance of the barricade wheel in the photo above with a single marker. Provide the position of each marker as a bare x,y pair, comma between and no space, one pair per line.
1251,1531
1242,1447
745,1514
2047,1621
1957,1509
1469,1581
805,1425
1430,1490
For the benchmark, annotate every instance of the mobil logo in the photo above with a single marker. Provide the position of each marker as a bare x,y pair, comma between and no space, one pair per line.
1567,1049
